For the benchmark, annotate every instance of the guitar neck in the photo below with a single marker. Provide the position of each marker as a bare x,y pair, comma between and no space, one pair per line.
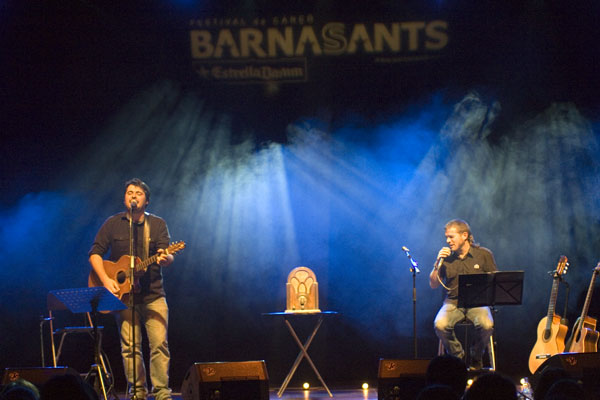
172,249
142,266
588,298
552,304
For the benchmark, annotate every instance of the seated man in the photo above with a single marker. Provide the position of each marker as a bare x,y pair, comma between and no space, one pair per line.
462,256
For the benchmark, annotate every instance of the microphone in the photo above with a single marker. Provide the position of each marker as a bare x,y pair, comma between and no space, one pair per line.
133,204
438,262
412,262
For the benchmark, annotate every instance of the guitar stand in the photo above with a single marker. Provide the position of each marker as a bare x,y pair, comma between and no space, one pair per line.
92,300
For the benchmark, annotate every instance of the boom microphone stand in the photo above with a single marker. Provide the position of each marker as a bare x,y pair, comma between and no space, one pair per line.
414,269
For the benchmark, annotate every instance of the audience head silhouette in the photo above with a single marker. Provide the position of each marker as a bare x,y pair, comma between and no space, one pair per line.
68,386
492,386
448,370
437,392
565,389
20,389
547,378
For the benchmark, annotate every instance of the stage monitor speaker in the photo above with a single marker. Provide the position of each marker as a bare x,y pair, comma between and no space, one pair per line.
581,366
401,379
36,375
240,380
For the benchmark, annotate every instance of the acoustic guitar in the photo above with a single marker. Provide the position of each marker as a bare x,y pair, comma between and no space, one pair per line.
551,333
584,337
119,271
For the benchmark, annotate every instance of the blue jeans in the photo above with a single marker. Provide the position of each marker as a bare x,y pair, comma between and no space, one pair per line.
449,315
154,316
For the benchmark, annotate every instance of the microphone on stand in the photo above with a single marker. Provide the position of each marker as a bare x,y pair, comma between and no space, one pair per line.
133,204
415,270
412,262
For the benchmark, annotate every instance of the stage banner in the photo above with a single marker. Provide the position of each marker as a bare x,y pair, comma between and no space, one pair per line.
296,46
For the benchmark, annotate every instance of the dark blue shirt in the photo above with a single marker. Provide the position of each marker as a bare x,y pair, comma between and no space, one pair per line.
113,239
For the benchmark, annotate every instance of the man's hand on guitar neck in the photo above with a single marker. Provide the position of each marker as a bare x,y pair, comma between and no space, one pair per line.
164,259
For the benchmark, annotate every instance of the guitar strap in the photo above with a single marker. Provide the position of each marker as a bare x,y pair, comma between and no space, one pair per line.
146,248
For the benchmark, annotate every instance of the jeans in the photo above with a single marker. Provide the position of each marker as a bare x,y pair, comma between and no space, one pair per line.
154,316
449,315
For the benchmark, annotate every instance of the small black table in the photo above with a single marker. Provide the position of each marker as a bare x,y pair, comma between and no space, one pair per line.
303,347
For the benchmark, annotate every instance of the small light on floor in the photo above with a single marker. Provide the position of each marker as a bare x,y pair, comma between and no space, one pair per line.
469,382
365,385
525,389
306,385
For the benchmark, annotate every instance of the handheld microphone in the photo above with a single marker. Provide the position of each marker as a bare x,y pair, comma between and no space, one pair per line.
438,262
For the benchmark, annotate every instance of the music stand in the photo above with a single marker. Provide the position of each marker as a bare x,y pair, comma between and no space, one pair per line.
91,299
491,289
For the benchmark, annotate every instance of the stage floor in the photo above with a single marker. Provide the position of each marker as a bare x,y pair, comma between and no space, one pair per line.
312,394
318,394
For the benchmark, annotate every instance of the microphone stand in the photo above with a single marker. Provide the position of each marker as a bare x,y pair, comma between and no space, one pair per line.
414,269
132,301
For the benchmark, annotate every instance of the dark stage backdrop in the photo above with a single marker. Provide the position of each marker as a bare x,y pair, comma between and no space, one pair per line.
280,134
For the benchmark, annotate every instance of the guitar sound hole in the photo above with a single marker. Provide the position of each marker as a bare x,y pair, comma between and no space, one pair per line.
121,277
547,334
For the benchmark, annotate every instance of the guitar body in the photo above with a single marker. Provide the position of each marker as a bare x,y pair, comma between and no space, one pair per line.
550,332
118,271
586,340
548,343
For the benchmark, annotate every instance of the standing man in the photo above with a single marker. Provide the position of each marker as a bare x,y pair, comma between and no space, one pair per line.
150,237
462,256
